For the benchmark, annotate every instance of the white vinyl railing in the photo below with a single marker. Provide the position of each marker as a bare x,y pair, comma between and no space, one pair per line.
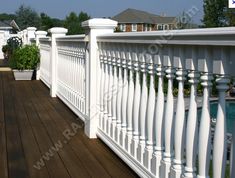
122,85
45,61
71,72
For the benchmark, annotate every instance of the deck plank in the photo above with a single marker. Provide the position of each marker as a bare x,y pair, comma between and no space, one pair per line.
28,139
3,149
17,166
31,122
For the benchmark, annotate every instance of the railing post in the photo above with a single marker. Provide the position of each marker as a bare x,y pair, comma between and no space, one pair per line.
30,33
94,27
24,36
55,32
39,34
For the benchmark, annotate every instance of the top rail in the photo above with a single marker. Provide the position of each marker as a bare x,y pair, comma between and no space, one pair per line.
212,36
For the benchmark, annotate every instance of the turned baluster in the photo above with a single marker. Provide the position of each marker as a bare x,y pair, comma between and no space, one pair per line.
192,121
130,100
119,96
124,96
136,104
158,116
143,110
150,114
204,142
168,117
179,130
220,136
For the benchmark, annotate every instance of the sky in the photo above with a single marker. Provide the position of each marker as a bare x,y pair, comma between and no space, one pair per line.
105,8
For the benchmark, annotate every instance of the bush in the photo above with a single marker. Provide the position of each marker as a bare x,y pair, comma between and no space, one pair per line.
25,58
12,44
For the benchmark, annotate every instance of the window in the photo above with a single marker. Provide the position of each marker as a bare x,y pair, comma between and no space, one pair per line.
160,27
134,27
122,27
145,27
165,27
149,27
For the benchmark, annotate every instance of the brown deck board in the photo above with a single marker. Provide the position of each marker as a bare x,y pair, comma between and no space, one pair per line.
17,166
28,138
32,122
3,150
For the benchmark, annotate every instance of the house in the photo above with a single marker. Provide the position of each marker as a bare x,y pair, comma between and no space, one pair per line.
9,26
7,29
132,20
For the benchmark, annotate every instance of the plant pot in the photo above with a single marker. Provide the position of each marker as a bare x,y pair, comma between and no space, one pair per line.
23,74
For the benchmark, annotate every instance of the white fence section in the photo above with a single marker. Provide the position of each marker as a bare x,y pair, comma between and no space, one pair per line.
71,72
45,61
122,86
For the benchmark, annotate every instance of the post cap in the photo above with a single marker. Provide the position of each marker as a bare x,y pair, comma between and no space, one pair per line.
58,30
100,23
31,28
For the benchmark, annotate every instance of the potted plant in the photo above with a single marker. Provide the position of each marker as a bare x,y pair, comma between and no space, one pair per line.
24,61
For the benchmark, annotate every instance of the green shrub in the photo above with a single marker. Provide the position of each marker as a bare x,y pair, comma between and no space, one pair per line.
25,58
14,43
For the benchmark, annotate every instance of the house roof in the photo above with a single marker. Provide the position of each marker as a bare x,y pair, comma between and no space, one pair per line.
138,16
9,24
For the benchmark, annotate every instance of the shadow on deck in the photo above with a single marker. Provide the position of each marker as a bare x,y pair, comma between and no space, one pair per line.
32,123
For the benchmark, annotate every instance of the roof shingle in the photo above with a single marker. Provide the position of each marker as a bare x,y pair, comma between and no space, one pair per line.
138,16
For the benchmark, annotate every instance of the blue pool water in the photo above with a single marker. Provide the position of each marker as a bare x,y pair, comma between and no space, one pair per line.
230,114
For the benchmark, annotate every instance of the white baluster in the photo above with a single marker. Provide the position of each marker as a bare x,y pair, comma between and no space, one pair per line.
143,110
150,115
119,96
130,102
179,140
101,87
106,78
136,106
168,119
114,92
192,122
220,137
158,117
124,97
109,94
204,151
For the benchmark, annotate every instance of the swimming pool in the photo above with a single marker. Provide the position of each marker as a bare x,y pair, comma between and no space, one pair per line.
230,113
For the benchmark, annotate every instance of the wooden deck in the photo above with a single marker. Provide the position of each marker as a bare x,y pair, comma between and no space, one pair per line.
32,123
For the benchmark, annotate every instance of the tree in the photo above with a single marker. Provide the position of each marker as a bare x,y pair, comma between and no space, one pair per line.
73,23
27,17
230,17
5,16
46,22
214,13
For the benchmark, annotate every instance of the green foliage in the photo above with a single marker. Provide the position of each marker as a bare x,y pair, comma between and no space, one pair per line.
230,17
217,14
26,57
27,17
73,22
5,16
5,48
14,42
48,22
